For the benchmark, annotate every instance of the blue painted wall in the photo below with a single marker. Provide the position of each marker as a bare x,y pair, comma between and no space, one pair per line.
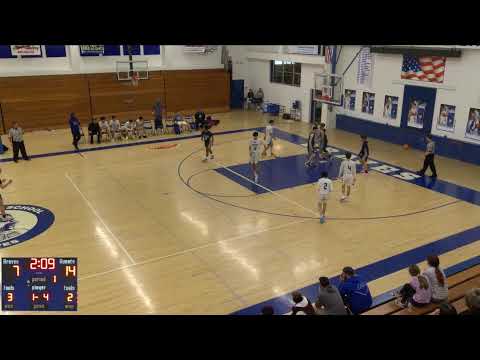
445,147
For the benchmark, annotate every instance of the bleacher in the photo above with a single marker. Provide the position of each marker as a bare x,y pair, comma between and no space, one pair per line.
458,285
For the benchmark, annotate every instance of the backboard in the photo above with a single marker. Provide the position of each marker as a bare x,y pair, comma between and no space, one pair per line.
328,88
128,70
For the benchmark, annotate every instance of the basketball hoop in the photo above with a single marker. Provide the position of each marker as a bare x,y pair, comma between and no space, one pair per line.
328,88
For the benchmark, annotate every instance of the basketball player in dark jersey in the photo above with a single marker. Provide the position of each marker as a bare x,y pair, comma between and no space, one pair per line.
364,153
325,153
207,138
311,145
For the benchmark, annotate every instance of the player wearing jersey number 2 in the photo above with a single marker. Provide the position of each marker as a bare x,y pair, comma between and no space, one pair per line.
324,188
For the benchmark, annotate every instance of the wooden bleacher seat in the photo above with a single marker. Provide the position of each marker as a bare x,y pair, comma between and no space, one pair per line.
459,305
454,294
458,284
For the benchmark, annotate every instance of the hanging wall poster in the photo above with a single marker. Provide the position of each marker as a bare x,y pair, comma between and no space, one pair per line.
473,125
368,102
390,107
350,97
416,113
446,118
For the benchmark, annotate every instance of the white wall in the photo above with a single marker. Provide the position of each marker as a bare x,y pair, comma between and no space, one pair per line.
461,87
172,58
259,77
252,63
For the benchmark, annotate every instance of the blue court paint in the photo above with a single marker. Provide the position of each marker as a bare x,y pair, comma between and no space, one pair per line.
380,268
273,176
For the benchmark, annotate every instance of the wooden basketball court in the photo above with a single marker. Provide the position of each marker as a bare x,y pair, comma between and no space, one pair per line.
158,231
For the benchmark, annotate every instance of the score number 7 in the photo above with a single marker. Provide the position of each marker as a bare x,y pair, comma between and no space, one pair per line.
17,269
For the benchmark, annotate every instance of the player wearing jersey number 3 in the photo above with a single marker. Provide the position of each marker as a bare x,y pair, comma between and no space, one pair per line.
324,188
254,149
348,173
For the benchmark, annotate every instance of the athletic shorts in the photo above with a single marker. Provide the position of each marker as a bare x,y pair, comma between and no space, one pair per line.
254,158
322,198
347,180
207,143
268,141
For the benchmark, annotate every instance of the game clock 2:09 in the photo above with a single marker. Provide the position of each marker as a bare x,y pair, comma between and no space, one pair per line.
48,284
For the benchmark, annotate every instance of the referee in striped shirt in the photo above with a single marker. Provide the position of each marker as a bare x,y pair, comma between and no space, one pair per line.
429,158
16,137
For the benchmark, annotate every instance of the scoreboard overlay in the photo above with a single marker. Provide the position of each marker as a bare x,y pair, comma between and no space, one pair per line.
39,284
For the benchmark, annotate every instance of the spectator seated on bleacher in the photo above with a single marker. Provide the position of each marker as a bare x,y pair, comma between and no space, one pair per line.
329,300
472,300
115,128
104,128
302,306
437,280
148,127
354,290
258,99
178,123
139,129
127,130
250,98
417,292
94,129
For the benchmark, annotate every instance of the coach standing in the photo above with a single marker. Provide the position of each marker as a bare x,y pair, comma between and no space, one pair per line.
157,113
75,128
16,137
429,157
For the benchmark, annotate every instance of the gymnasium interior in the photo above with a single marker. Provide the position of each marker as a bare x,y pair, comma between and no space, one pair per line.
136,220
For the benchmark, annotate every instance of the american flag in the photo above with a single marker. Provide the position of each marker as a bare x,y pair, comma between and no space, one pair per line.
423,68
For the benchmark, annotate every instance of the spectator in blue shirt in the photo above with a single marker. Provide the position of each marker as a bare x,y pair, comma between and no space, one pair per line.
354,291
75,128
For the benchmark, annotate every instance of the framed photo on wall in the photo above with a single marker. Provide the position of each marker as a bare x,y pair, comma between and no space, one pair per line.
473,124
416,113
446,118
390,107
350,97
368,102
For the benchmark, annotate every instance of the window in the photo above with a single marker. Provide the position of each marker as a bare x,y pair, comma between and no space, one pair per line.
285,72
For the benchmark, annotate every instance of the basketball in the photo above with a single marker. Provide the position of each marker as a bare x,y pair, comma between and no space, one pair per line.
406,146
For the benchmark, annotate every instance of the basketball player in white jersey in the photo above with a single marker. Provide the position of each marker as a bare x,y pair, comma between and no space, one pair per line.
324,188
348,173
254,148
269,139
